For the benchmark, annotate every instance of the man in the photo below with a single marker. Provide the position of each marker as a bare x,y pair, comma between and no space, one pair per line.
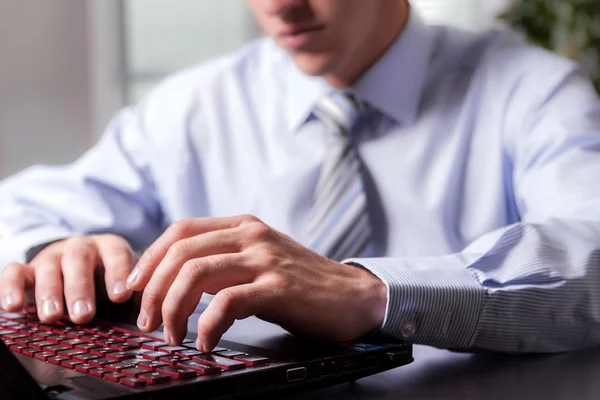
447,183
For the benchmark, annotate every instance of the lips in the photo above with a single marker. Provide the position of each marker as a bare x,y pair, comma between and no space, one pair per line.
301,37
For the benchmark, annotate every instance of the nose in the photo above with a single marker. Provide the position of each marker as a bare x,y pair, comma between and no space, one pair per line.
281,7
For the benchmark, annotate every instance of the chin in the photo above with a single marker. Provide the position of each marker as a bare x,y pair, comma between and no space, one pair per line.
311,64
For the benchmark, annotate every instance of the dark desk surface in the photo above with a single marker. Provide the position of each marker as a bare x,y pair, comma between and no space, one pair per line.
440,374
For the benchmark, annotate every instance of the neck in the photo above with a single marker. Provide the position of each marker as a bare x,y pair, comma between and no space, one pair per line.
371,49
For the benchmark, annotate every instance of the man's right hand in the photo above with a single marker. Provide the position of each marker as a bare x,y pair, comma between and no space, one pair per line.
64,273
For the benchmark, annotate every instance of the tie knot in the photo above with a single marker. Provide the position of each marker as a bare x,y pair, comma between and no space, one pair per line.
340,111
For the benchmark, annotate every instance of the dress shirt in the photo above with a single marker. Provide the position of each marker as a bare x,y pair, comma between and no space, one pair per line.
483,160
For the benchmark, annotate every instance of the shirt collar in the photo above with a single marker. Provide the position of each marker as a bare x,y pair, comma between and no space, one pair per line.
393,85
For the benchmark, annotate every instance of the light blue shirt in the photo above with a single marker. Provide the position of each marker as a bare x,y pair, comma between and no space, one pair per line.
484,188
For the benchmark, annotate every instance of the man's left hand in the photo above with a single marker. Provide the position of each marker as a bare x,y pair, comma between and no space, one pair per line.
252,270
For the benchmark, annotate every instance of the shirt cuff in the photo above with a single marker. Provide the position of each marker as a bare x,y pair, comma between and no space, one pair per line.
432,301
16,248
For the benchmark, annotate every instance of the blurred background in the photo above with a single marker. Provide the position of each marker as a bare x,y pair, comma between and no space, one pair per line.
66,66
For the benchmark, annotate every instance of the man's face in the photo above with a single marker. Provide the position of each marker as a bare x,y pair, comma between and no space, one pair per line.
324,36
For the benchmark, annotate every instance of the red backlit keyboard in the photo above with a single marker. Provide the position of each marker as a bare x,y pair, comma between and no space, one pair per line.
114,353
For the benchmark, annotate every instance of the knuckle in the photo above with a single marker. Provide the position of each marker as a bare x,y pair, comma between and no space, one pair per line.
227,300
169,313
12,268
258,232
79,246
151,295
192,268
180,229
180,248
249,218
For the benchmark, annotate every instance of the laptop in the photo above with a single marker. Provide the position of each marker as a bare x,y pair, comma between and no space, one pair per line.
111,359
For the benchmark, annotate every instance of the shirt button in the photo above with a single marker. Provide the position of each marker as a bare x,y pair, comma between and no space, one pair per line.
408,329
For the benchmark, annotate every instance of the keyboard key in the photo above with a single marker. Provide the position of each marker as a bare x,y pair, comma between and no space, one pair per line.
27,340
118,366
107,342
152,365
97,372
70,363
74,342
41,344
13,336
122,335
57,348
83,367
188,353
222,362
122,355
101,351
173,359
172,349
43,355
125,346
57,360
85,357
199,367
70,353
154,377
154,345
28,351
88,346
6,332
230,353
133,371
139,340
252,361
131,382
91,338
114,376
100,362
153,355
57,338
17,347
177,372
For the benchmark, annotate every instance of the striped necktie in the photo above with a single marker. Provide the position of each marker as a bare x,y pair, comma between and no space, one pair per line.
340,227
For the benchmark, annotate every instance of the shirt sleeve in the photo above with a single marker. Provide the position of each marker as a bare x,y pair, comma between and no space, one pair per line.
109,189
529,287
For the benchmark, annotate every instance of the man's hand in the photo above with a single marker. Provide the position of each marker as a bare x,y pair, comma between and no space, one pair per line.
253,270
64,274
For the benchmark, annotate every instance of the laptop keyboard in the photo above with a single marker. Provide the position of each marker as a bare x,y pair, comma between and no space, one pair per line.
114,353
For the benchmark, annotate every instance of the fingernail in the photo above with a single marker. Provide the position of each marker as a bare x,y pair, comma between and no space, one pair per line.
9,300
166,336
142,319
81,308
133,277
49,308
119,288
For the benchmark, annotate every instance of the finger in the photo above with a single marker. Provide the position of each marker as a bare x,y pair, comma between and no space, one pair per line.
78,265
16,278
48,287
117,258
198,276
208,244
175,233
237,302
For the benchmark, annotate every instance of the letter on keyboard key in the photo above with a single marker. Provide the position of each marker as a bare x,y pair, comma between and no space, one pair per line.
199,367
221,362
133,371
177,372
154,377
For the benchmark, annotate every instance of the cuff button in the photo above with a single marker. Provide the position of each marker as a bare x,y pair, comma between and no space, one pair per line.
408,329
